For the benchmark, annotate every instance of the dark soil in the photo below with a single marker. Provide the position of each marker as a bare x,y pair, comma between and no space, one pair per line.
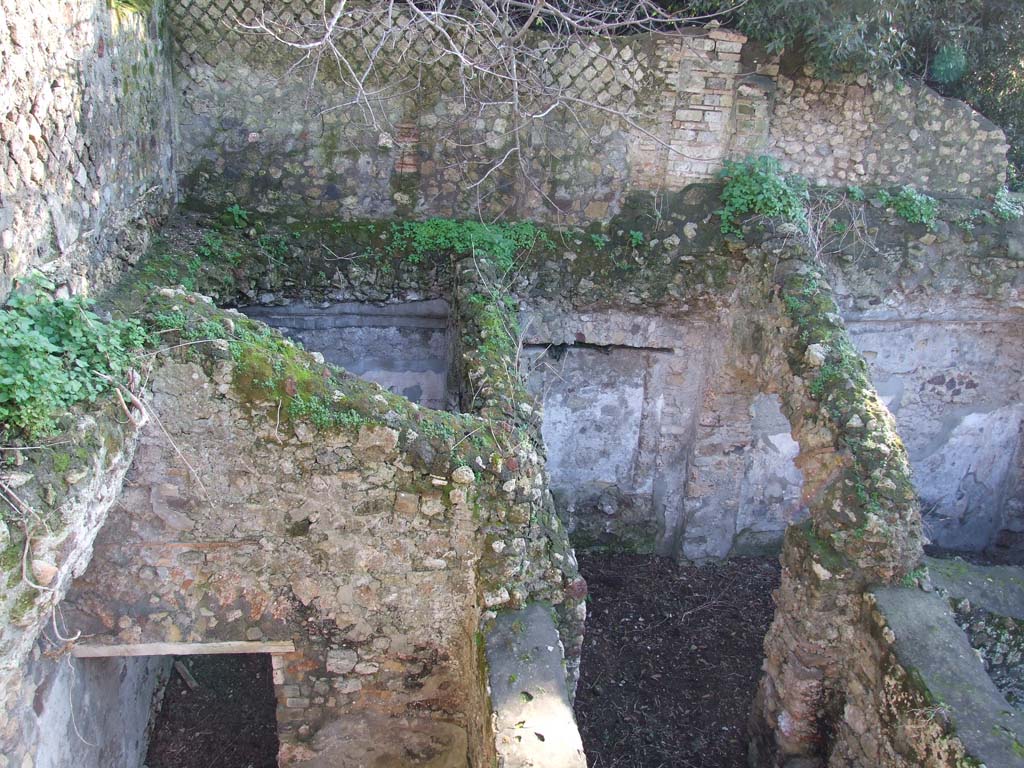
228,721
671,660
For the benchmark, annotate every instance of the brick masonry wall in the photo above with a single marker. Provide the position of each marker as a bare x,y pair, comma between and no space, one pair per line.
86,123
669,110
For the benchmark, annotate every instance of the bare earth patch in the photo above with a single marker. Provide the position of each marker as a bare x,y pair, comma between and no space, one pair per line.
671,660
228,721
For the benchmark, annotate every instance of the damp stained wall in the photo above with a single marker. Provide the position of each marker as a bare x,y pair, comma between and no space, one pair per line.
955,384
92,713
657,431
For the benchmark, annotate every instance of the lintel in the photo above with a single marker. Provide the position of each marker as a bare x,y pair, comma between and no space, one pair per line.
85,651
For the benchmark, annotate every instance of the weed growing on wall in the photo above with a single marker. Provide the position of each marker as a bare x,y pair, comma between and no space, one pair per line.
1007,207
499,242
911,205
55,353
757,186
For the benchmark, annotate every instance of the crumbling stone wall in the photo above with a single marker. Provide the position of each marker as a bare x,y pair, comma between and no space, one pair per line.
503,542
257,130
87,134
864,522
332,540
853,131
918,694
931,311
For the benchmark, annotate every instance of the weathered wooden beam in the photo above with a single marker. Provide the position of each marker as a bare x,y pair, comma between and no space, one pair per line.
85,651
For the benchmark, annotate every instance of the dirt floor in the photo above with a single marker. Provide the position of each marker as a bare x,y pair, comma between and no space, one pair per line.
228,721
671,660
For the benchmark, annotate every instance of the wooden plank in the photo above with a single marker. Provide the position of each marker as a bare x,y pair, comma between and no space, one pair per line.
182,670
85,651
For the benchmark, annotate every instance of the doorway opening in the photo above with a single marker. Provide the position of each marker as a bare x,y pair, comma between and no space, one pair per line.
671,659
219,711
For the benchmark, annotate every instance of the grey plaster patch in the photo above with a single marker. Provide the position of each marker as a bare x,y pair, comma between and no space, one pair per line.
602,414
770,495
94,713
963,484
956,387
403,347
534,724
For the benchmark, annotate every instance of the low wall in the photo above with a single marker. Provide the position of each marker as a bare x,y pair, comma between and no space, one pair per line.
87,135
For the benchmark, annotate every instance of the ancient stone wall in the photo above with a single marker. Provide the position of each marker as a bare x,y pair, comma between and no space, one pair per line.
56,501
937,315
618,391
918,305
260,131
88,135
917,692
239,550
890,133
864,524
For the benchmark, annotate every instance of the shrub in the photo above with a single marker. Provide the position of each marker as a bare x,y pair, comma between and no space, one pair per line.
53,354
1006,207
949,64
916,207
498,242
756,185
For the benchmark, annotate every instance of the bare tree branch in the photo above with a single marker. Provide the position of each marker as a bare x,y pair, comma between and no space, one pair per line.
502,55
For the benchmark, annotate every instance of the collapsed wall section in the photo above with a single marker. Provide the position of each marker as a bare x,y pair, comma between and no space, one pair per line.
88,136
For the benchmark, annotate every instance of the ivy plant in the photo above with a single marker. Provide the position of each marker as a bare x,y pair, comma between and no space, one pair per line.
1006,207
912,205
758,186
55,353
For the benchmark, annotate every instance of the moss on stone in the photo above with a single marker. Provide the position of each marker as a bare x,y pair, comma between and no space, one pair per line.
23,604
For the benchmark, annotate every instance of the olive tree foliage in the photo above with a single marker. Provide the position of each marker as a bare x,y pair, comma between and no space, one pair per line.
993,77
499,53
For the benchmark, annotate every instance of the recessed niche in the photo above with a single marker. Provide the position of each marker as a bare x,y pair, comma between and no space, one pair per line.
403,347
